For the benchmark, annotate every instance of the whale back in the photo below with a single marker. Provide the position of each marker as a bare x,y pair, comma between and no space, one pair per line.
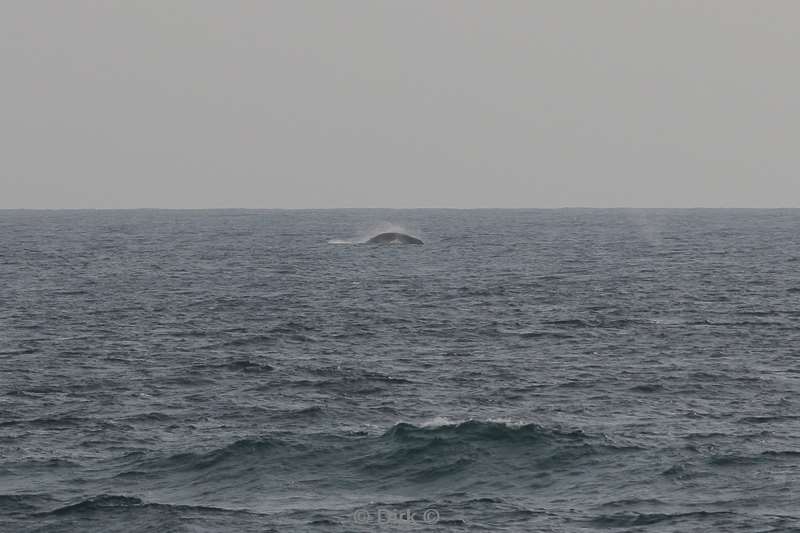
394,238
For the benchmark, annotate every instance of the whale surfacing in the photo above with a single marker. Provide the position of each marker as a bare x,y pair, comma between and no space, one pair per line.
394,238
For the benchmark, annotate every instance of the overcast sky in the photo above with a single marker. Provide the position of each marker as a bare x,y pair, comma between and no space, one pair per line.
225,103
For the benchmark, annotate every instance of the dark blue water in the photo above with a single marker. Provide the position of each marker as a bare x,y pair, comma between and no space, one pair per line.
569,370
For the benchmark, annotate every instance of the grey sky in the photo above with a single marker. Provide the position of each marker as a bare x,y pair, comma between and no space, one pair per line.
399,104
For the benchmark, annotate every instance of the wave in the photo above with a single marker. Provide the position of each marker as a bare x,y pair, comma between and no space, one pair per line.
247,341
736,323
102,501
246,366
647,388
115,502
465,452
350,381
437,449
767,419
537,333
335,373
24,503
151,416
679,471
312,411
745,460
570,323
20,351
634,519
63,422
631,502
471,429
241,451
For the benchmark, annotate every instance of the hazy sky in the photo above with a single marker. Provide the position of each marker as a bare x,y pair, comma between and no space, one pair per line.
225,103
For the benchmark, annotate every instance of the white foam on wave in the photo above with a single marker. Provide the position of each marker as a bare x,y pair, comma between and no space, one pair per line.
443,421
435,422
440,421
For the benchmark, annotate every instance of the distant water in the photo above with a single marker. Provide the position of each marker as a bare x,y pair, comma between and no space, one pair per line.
568,370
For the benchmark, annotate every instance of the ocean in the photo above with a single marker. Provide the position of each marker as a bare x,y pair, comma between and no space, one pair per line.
566,370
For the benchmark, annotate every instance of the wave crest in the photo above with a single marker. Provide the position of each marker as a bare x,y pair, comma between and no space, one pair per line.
477,431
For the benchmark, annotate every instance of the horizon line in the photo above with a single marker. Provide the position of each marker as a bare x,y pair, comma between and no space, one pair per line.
490,208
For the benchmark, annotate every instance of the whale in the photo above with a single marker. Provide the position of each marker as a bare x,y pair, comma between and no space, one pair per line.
393,238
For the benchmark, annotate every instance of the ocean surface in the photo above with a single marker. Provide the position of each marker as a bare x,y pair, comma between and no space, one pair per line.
523,370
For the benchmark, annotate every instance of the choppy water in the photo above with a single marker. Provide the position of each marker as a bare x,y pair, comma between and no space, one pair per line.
571,370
